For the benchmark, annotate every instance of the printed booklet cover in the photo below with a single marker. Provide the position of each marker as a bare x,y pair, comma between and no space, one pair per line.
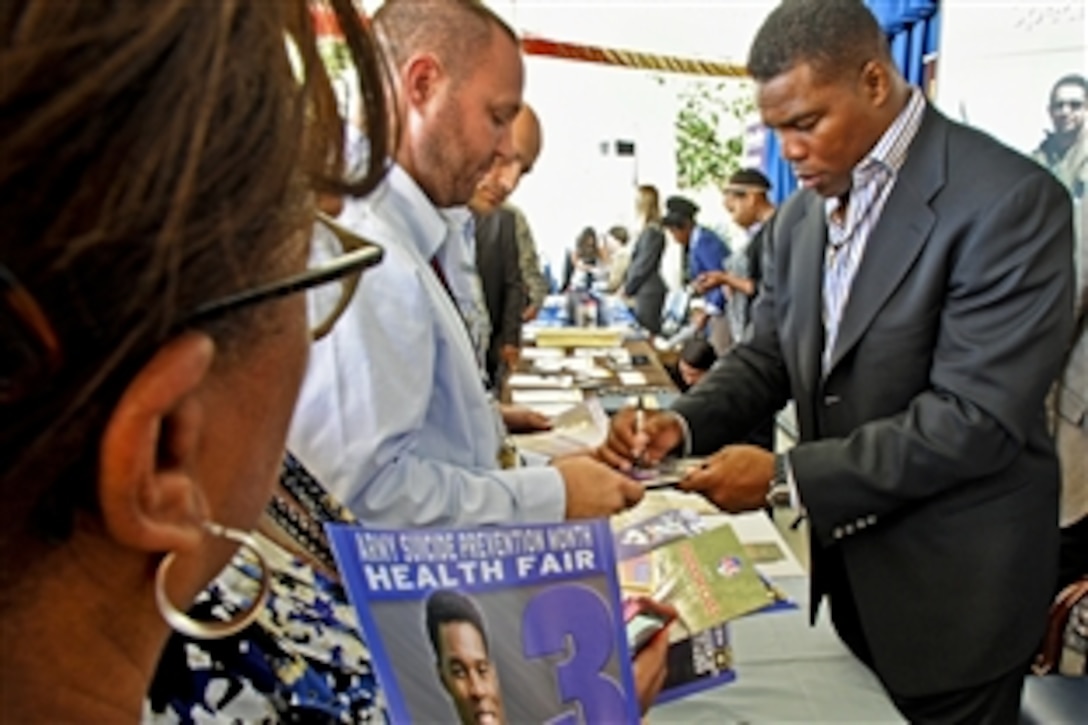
674,555
492,625
706,576
696,660
635,541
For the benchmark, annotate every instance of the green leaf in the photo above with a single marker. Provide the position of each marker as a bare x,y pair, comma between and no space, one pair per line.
703,156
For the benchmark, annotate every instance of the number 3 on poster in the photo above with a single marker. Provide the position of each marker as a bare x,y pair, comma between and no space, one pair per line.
573,621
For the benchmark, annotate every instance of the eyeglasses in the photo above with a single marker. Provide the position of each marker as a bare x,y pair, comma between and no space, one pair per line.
1071,105
31,349
347,256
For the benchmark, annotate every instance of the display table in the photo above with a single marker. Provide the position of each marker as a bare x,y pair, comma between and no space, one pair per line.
641,362
787,671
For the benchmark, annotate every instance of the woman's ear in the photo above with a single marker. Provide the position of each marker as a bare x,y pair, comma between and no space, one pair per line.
147,491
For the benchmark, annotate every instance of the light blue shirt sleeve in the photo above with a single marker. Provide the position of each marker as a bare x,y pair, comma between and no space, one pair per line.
393,417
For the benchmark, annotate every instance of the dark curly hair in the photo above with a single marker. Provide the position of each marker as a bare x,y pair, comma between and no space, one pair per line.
835,37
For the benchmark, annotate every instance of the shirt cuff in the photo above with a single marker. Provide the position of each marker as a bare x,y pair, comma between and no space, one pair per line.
541,494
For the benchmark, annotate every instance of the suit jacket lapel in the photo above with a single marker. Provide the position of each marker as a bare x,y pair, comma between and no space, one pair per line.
898,237
809,237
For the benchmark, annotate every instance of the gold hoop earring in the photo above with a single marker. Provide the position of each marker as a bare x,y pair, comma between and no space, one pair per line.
182,623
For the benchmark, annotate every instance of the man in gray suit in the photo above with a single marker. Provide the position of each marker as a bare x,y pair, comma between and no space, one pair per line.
916,301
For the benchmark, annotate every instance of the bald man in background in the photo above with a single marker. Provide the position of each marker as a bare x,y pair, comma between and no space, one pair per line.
527,144
497,249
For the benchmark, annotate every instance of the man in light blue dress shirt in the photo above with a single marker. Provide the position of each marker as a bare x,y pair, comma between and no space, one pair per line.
393,416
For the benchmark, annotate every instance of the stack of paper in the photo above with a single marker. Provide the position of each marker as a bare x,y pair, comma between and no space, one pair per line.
533,397
581,426
579,337
526,380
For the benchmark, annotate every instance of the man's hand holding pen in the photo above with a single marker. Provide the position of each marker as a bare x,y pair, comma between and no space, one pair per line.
642,436
736,478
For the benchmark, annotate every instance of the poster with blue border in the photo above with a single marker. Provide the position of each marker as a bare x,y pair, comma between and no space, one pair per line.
492,625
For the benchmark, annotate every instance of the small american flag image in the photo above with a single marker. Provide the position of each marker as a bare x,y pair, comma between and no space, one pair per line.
729,566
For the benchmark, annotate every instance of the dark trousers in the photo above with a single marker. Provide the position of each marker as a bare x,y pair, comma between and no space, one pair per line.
648,310
996,701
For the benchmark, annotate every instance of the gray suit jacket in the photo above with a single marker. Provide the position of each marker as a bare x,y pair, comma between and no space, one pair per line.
643,281
500,275
924,460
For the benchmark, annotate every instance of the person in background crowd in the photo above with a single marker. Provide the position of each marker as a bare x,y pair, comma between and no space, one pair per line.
745,197
394,417
643,283
619,257
706,252
1065,149
497,248
158,163
526,140
532,271
916,302
581,263
697,356
1065,154
1070,418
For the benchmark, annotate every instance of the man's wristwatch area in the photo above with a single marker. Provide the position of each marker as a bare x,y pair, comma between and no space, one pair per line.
778,490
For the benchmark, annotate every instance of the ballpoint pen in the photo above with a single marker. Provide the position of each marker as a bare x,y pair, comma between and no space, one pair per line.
639,421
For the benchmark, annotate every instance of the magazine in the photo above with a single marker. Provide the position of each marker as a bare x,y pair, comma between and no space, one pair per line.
705,574
658,530
698,658
492,625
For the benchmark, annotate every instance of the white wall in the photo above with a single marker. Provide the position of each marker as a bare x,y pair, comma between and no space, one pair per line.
582,106
999,59
575,183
